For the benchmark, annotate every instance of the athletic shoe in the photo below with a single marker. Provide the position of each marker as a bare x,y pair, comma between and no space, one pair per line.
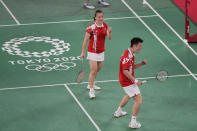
95,87
88,5
103,2
92,94
134,124
120,113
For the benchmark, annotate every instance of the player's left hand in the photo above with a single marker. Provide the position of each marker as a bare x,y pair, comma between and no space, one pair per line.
139,83
109,29
144,62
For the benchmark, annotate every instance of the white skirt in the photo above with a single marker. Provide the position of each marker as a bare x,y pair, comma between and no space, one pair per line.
95,56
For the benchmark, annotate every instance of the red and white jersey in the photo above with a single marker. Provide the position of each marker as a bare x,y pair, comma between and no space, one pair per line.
97,37
127,62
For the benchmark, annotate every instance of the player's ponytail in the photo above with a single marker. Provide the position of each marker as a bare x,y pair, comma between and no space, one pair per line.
97,11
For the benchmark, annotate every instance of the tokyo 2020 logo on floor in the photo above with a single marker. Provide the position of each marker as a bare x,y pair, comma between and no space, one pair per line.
40,61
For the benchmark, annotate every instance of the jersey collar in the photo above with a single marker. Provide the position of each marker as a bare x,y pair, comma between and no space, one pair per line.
98,25
130,53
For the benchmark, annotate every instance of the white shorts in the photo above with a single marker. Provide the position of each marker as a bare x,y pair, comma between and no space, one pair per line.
132,90
95,57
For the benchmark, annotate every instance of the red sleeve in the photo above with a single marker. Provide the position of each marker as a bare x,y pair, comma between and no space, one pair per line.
105,24
125,63
89,30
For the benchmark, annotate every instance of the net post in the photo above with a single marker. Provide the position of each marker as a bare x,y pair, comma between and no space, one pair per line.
186,21
193,38
186,40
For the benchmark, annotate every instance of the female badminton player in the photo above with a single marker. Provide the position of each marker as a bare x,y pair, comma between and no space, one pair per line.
96,34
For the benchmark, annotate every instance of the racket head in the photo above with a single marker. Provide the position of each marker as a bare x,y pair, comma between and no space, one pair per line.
80,77
162,75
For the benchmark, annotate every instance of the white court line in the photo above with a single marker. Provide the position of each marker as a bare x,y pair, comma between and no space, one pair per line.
83,109
104,81
142,78
73,21
17,22
28,87
169,26
154,34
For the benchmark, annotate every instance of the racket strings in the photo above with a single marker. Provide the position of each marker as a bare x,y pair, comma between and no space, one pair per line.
80,75
162,75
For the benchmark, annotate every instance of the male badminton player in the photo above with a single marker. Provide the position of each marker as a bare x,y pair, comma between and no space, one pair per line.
96,34
129,82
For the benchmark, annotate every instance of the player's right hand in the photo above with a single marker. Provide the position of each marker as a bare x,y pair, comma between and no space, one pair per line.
139,82
82,55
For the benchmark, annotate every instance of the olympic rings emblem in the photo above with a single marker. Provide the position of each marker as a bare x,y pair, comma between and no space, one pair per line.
50,66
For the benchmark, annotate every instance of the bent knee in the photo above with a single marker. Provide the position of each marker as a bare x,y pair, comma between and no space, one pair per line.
138,99
93,72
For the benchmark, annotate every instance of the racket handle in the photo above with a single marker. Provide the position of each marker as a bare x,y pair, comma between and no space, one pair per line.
144,81
82,60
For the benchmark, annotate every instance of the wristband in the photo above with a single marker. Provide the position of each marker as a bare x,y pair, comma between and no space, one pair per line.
136,81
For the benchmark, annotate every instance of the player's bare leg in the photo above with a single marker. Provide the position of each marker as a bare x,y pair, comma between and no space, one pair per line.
92,76
99,66
137,103
123,102
135,110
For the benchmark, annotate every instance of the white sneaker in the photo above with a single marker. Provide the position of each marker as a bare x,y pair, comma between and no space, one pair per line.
120,113
134,124
92,94
88,5
95,87
103,2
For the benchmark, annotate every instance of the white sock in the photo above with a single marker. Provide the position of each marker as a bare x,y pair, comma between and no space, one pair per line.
133,118
119,109
89,85
91,89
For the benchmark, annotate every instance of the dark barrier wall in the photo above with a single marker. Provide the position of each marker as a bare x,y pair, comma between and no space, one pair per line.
192,8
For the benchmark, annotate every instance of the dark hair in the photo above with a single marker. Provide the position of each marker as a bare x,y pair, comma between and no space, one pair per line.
136,41
97,11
